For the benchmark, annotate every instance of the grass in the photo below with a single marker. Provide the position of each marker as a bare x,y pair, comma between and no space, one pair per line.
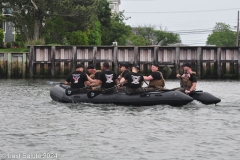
5,50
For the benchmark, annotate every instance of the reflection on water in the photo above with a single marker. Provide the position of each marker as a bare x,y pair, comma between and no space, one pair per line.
32,123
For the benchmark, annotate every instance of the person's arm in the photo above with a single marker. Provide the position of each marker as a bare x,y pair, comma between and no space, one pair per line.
87,83
90,79
147,78
96,82
66,82
122,81
194,84
178,76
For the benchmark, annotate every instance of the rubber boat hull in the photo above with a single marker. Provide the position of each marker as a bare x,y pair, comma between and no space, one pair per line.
173,98
205,97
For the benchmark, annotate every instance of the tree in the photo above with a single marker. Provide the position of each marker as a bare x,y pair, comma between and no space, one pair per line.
146,32
136,40
1,20
117,31
222,36
29,16
163,38
78,38
148,35
104,17
95,34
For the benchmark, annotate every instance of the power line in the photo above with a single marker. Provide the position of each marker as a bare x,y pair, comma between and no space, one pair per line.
215,10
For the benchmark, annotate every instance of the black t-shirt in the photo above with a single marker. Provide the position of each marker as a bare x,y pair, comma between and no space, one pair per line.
108,79
77,79
97,75
156,76
125,72
193,78
134,80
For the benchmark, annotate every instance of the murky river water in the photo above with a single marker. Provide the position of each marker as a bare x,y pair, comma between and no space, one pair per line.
33,126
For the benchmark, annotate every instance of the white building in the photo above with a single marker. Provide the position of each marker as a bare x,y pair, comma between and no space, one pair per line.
114,5
8,28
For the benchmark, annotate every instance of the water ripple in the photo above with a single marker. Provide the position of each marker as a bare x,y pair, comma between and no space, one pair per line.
32,123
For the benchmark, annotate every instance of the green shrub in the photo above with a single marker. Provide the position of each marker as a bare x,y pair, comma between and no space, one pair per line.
78,38
40,41
25,50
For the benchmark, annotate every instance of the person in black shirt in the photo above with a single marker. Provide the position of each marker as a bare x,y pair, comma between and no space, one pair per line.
134,81
188,79
77,79
107,79
156,80
124,70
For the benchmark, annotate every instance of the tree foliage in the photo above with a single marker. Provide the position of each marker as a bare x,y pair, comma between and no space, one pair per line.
74,22
222,36
165,38
95,36
29,16
1,36
149,35
78,38
118,31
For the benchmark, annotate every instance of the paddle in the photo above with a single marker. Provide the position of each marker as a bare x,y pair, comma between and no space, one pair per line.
145,82
53,83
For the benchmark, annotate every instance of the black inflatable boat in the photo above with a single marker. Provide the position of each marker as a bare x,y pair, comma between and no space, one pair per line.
204,97
168,97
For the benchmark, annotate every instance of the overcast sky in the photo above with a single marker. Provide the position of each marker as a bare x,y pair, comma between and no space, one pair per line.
193,19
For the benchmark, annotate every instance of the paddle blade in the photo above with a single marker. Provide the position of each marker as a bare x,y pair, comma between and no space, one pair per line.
92,94
53,83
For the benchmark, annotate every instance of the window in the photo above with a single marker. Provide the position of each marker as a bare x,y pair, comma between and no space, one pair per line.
7,11
112,7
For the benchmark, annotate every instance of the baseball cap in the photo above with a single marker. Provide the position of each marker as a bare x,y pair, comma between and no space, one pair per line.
79,66
156,64
90,66
137,67
124,65
187,65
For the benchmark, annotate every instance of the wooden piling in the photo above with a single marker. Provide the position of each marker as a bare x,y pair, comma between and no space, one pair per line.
199,58
136,55
24,63
219,74
177,62
74,58
94,55
115,61
31,60
155,54
53,51
9,59
238,63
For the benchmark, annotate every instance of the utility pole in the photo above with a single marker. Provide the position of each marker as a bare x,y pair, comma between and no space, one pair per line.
238,20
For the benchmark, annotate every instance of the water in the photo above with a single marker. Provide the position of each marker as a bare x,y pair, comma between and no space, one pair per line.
32,125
